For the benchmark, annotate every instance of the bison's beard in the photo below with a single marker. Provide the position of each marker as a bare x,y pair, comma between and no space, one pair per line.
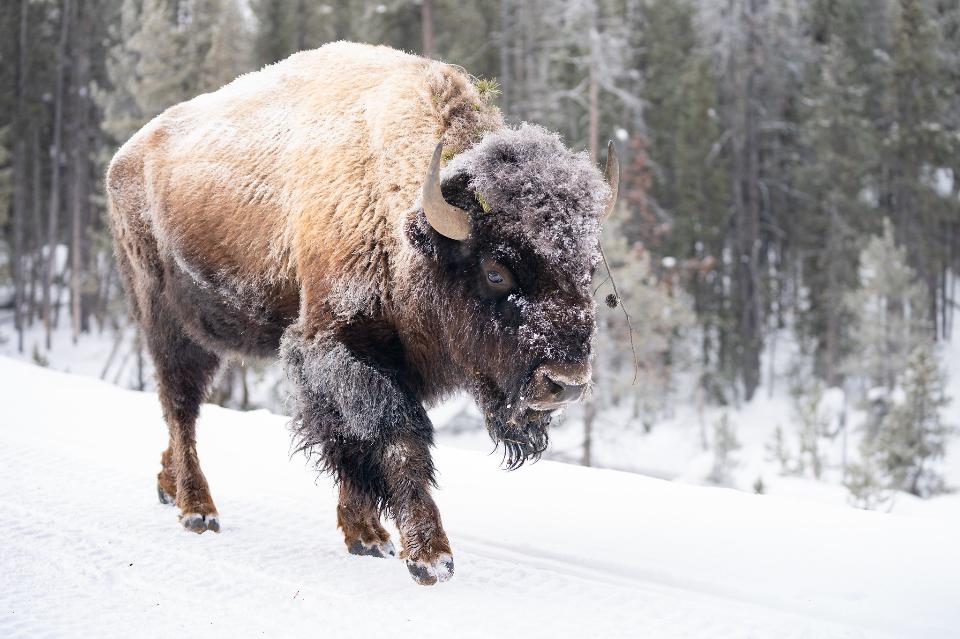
519,430
521,441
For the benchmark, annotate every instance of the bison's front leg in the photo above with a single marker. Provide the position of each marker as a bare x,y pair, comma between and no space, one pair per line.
356,414
408,471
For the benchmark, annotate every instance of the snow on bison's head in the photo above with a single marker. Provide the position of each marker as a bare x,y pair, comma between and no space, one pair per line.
510,231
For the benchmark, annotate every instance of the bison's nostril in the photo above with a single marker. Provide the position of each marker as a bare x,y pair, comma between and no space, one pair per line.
558,385
553,388
560,390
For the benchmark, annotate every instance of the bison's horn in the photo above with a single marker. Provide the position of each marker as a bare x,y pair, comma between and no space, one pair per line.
611,173
446,219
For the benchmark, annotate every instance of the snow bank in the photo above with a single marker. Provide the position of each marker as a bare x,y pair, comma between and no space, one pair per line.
550,550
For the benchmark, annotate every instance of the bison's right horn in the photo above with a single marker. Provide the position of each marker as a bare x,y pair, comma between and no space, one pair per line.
446,219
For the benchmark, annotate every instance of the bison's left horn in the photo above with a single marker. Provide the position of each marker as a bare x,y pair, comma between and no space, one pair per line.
611,174
446,219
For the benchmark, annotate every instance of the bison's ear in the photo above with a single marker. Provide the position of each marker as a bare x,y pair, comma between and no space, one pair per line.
611,173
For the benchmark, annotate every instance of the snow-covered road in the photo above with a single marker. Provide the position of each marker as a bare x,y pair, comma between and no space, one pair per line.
550,550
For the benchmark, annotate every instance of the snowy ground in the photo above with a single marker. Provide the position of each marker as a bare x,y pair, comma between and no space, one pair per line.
550,550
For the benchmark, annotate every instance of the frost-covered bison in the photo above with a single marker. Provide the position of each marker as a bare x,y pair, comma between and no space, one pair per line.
303,209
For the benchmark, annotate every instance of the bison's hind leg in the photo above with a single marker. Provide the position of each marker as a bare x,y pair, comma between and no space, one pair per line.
184,371
359,519
184,368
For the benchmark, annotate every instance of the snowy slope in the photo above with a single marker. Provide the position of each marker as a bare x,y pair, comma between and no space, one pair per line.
549,550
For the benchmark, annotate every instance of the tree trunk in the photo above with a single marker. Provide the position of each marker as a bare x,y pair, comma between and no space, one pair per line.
80,187
593,90
58,299
341,21
426,25
832,311
747,204
76,222
19,204
505,35
244,388
54,209
36,204
594,116
105,285
589,417
20,179
301,27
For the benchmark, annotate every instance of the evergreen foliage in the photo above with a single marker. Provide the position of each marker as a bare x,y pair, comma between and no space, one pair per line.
725,444
890,308
912,437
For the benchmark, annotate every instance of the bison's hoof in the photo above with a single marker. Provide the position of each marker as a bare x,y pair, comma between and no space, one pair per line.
428,573
198,523
385,549
163,496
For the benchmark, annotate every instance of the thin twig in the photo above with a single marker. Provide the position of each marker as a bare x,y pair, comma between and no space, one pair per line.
636,360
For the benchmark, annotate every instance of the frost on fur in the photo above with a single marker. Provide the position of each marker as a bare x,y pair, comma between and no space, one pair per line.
335,389
539,190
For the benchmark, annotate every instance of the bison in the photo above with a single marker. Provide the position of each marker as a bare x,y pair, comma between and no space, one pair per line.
367,214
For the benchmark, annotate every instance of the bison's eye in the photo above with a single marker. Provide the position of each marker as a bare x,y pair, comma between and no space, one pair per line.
497,277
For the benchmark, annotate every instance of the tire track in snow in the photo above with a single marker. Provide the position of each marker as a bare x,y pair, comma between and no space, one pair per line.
279,565
614,575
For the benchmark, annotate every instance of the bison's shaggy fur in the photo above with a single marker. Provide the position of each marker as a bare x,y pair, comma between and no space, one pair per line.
283,211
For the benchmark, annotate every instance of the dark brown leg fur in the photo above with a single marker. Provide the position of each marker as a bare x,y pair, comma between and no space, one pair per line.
358,518
407,469
425,546
184,371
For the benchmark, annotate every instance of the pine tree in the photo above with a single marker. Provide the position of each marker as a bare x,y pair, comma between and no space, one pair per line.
283,28
918,139
812,426
725,444
147,67
778,450
122,115
757,49
867,487
274,40
162,69
218,38
891,311
689,192
913,436
6,191
659,319
839,143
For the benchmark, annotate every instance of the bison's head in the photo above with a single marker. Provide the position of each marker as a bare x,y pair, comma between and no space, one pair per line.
511,228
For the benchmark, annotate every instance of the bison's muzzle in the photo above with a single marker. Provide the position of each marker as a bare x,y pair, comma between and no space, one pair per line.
553,386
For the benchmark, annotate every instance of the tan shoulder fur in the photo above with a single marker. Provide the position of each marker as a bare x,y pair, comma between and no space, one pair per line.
298,175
